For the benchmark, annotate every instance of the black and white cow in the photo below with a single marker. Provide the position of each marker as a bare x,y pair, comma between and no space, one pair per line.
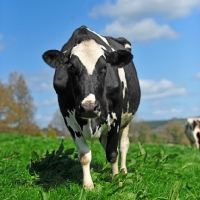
98,94
192,131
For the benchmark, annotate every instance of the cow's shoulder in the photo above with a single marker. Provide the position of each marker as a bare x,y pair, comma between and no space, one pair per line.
112,84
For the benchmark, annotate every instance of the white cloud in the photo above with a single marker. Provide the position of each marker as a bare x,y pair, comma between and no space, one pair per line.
164,88
41,81
137,19
144,30
44,119
172,111
48,102
196,109
197,76
135,9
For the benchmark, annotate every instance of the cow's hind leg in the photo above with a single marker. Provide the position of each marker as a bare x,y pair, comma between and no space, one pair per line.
85,157
124,146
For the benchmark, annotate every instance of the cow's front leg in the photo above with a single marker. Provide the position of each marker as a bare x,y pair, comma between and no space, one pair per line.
85,157
112,150
114,165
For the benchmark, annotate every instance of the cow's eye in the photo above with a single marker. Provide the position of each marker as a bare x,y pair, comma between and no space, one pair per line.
104,69
71,68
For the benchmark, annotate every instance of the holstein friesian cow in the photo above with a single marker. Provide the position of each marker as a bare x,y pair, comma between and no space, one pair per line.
192,131
98,94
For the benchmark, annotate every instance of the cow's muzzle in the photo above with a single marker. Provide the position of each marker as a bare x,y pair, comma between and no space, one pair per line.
89,110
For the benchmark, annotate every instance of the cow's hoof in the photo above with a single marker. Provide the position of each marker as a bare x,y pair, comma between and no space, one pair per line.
111,157
88,186
124,170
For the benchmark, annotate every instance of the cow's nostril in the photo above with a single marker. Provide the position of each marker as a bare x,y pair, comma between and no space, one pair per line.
89,109
97,107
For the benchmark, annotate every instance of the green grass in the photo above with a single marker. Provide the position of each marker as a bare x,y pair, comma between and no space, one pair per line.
29,171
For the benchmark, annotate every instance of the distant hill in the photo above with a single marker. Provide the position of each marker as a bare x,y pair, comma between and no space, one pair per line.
154,124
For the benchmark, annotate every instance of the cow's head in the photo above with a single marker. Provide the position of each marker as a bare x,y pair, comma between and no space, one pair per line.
85,67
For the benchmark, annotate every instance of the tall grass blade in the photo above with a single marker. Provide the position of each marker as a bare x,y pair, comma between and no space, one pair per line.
82,195
142,151
174,192
44,195
187,165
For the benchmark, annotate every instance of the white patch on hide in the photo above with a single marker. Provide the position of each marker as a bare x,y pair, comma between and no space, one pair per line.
88,52
126,117
123,79
118,129
102,129
71,121
128,106
87,130
127,46
104,48
114,115
89,99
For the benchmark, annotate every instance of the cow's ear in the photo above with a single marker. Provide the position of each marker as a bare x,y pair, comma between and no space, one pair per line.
119,58
54,58
60,79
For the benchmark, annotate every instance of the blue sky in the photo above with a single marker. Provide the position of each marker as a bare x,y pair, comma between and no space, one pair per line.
165,37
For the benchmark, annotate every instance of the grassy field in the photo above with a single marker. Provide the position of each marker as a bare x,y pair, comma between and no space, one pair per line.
29,171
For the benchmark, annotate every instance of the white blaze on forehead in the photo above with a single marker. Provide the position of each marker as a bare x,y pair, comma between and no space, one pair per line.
88,52
89,99
123,79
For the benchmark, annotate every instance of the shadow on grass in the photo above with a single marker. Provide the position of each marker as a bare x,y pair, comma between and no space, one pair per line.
57,168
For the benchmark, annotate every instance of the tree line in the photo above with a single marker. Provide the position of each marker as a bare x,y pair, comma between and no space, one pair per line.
17,111
170,133
17,108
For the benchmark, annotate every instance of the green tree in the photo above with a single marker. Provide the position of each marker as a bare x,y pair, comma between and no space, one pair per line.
51,133
7,105
140,132
174,132
144,131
